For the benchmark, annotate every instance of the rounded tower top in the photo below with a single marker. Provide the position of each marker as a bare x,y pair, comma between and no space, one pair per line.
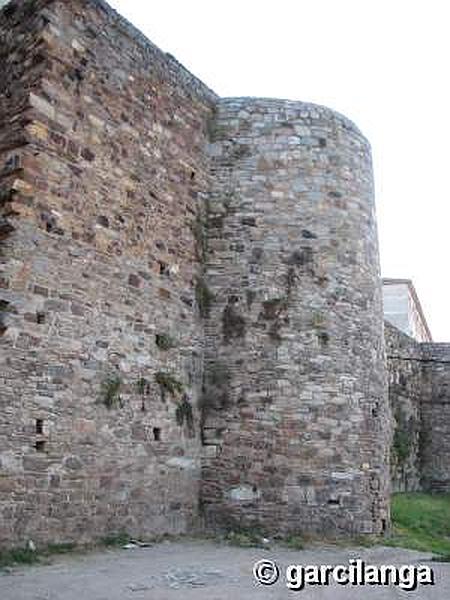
282,109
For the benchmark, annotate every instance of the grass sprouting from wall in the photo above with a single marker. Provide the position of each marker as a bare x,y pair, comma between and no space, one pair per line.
204,297
110,391
168,383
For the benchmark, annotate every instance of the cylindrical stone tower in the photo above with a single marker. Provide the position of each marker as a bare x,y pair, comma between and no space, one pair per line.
295,407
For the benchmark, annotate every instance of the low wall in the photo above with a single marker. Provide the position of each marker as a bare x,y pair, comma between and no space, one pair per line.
419,394
436,417
406,391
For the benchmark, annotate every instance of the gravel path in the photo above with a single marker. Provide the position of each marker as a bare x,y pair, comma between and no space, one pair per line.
205,570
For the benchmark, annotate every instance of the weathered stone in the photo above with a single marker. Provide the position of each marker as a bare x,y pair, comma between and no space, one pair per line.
419,393
115,193
290,348
141,202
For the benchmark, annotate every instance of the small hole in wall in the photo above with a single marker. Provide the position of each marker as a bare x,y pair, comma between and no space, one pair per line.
323,338
334,502
40,426
13,163
164,269
3,329
40,446
52,228
4,305
103,221
40,318
157,434
383,525
192,175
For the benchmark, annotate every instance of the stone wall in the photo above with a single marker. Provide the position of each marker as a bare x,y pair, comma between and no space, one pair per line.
295,406
189,298
102,140
436,418
406,393
419,393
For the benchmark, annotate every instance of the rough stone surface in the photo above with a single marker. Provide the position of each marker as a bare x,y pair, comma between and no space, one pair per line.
296,394
103,170
419,393
190,303
405,396
436,418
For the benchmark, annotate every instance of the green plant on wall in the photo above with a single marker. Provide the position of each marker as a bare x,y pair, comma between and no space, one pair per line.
204,297
4,306
275,311
168,384
184,414
143,389
401,445
318,320
110,391
233,324
404,436
291,280
323,338
319,323
201,238
216,389
214,130
165,341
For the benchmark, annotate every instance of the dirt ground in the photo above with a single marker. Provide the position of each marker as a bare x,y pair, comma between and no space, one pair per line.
205,570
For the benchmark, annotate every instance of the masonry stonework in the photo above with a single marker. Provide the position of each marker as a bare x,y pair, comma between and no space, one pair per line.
436,418
190,303
419,393
297,422
103,174
406,391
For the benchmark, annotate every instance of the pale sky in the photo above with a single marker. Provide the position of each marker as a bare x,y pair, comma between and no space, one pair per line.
382,63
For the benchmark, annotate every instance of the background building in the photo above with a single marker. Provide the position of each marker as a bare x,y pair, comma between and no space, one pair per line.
403,310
